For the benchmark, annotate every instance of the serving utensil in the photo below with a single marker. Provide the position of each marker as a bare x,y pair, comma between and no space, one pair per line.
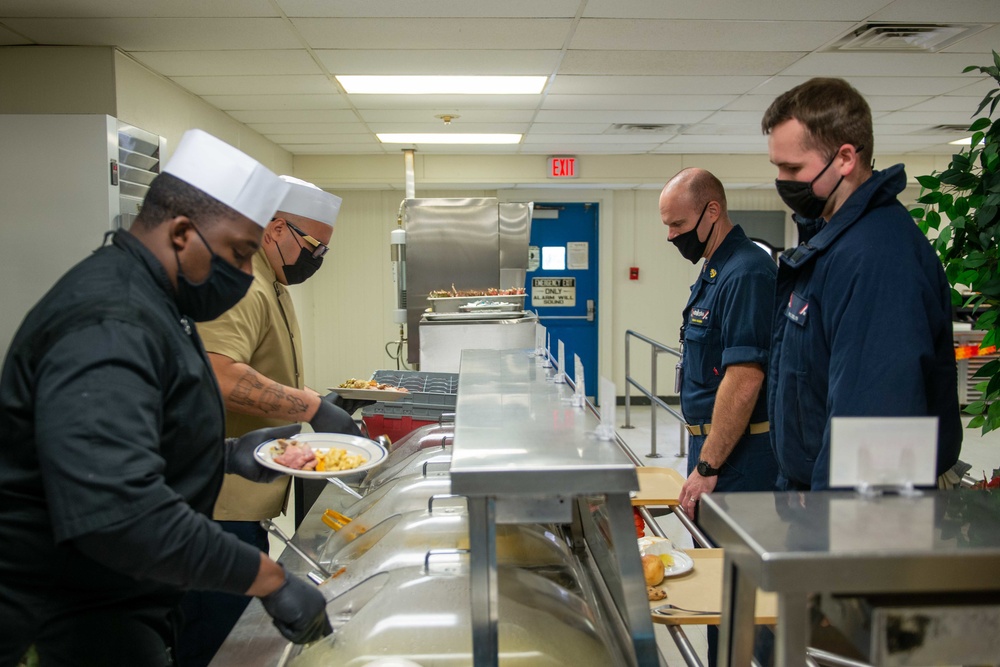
672,609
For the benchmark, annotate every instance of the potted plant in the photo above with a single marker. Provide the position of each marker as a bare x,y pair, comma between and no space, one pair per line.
962,205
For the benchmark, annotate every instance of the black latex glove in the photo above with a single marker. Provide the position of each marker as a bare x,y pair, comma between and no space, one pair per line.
330,418
350,405
298,610
239,453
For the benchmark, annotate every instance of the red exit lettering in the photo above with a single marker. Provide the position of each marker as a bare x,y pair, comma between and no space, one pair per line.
562,167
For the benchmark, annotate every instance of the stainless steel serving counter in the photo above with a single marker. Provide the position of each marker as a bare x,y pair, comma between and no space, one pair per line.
524,454
840,542
517,433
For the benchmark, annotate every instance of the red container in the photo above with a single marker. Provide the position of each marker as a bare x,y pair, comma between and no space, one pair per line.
395,428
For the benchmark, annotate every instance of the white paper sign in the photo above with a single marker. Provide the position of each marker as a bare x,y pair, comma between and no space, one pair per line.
883,451
577,255
606,431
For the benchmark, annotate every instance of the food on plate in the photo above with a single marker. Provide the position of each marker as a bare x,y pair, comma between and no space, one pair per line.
492,291
354,383
668,560
652,570
337,459
291,454
655,594
301,456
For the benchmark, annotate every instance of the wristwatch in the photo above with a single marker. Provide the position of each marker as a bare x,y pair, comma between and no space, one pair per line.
705,470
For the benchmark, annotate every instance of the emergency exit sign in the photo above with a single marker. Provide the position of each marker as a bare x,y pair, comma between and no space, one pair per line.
563,167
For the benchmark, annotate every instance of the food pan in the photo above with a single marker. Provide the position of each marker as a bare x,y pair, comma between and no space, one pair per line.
403,540
423,614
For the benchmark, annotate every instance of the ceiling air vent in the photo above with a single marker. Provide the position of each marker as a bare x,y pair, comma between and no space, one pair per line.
644,128
905,37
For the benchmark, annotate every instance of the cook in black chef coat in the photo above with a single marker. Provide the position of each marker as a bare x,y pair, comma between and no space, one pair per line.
111,431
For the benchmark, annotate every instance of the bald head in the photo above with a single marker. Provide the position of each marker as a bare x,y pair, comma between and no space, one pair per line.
697,186
689,199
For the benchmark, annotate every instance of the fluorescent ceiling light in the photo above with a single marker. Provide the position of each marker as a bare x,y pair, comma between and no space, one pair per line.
442,85
467,138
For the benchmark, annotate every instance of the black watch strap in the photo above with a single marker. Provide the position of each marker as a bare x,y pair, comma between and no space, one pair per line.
705,470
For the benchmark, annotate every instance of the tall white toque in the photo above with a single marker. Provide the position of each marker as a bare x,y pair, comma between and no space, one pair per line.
309,201
227,174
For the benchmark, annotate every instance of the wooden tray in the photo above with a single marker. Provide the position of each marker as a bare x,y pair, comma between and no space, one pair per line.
658,486
701,588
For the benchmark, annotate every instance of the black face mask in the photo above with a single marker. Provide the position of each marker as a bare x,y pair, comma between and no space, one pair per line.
220,291
801,198
303,268
692,248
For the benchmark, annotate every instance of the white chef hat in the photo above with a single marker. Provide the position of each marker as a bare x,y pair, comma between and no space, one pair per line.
309,201
227,174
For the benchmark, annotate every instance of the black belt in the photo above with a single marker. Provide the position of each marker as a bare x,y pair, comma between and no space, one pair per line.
752,429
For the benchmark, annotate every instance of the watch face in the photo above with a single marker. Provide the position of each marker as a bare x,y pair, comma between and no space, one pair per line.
706,470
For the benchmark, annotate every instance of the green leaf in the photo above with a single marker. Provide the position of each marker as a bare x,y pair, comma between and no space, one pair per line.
994,386
970,68
988,369
989,339
976,139
932,197
967,278
977,422
929,182
980,123
961,205
959,222
981,387
975,260
933,219
975,408
917,213
956,298
982,105
985,215
993,412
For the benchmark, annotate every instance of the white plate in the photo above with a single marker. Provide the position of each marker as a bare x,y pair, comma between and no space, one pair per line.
654,546
384,395
682,563
373,452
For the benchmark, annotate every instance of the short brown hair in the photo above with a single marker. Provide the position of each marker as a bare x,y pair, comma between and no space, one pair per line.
833,113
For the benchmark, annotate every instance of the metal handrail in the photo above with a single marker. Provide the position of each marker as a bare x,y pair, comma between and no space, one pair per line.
656,348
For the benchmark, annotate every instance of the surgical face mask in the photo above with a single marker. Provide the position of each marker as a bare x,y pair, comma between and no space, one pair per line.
692,248
304,266
801,198
220,291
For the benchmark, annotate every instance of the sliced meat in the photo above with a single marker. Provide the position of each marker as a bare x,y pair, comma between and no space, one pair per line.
300,457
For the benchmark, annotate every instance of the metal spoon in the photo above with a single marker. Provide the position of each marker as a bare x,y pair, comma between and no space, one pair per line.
670,609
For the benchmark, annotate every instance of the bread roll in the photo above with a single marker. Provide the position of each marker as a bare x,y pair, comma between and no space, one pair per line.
652,570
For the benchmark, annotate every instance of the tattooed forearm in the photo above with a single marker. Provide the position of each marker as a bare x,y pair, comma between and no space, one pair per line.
256,392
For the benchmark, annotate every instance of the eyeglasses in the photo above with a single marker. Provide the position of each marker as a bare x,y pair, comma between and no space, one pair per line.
319,249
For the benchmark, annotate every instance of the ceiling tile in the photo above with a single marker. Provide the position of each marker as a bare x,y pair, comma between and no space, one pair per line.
228,63
9,38
948,103
571,116
430,8
304,128
131,8
241,102
294,116
439,61
465,116
155,34
416,33
928,118
249,85
980,43
773,10
705,35
879,64
934,11
872,85
677,63
645,102
407,127
445,103
655,85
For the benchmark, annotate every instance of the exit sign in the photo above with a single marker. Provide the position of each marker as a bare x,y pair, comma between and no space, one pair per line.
563,167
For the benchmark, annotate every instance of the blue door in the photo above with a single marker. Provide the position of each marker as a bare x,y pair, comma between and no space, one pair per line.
562,281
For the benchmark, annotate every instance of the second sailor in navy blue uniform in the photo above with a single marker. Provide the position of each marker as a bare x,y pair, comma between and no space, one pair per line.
725,339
